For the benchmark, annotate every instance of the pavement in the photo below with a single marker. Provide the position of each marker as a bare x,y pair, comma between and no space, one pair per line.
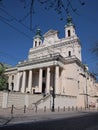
20,116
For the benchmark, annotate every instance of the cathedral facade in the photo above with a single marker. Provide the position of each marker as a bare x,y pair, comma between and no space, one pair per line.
55,65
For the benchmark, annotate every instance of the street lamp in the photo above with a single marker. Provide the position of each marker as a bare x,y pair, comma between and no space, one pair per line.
86,92
53,92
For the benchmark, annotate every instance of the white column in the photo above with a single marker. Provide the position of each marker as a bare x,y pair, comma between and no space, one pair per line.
57,80
30,81
23,82
18,82
48,80
40,80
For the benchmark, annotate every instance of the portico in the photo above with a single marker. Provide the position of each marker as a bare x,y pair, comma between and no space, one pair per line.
44,84
42,79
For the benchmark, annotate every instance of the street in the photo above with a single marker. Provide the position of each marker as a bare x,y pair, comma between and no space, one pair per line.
88,121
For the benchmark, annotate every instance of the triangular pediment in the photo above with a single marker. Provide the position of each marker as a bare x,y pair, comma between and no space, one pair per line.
50,32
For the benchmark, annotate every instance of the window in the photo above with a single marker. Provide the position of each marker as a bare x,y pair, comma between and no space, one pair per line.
69,53
35,43
12,84
68,33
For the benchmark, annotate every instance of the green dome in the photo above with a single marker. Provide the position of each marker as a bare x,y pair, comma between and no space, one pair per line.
38,34
69,21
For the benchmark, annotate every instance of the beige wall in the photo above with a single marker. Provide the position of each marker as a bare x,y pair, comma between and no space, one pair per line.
70,75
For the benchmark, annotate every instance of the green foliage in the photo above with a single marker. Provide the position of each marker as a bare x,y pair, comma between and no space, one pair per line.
3,77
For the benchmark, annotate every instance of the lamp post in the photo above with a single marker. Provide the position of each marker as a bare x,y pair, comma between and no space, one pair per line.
53,92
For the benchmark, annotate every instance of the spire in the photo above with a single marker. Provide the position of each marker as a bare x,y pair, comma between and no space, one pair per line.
38,33
69,21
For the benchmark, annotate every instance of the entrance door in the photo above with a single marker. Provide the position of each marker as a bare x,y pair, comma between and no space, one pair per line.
43,88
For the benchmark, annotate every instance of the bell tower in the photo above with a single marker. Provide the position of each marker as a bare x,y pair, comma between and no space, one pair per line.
69,27
74,45
37,38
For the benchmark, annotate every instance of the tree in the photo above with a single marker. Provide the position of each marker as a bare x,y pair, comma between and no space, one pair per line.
3,77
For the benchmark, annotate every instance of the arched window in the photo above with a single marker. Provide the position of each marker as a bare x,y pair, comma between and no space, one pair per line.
35,43
69,53
68,33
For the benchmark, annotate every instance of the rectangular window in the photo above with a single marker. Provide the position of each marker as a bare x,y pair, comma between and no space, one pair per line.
68,33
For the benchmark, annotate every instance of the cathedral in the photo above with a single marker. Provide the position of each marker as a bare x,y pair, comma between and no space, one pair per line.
54,67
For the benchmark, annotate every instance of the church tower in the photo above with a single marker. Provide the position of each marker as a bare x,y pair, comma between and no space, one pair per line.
37,39
73,46
69,28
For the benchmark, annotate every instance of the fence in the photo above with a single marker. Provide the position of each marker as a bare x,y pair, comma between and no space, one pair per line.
35,109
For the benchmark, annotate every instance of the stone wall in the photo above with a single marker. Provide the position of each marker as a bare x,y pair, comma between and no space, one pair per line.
7,99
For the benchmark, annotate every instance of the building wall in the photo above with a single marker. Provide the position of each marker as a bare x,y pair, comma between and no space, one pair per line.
70,75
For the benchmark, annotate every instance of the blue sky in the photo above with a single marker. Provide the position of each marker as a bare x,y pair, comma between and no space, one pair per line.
16,39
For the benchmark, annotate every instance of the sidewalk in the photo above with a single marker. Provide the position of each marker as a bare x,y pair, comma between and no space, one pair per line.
7,118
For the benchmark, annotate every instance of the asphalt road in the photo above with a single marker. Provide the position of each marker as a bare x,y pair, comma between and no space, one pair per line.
82,122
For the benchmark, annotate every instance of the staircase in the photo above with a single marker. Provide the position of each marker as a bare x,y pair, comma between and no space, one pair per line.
44,101
20,99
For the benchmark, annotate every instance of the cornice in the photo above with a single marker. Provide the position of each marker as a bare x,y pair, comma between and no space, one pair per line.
11,69
54,57
74,59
